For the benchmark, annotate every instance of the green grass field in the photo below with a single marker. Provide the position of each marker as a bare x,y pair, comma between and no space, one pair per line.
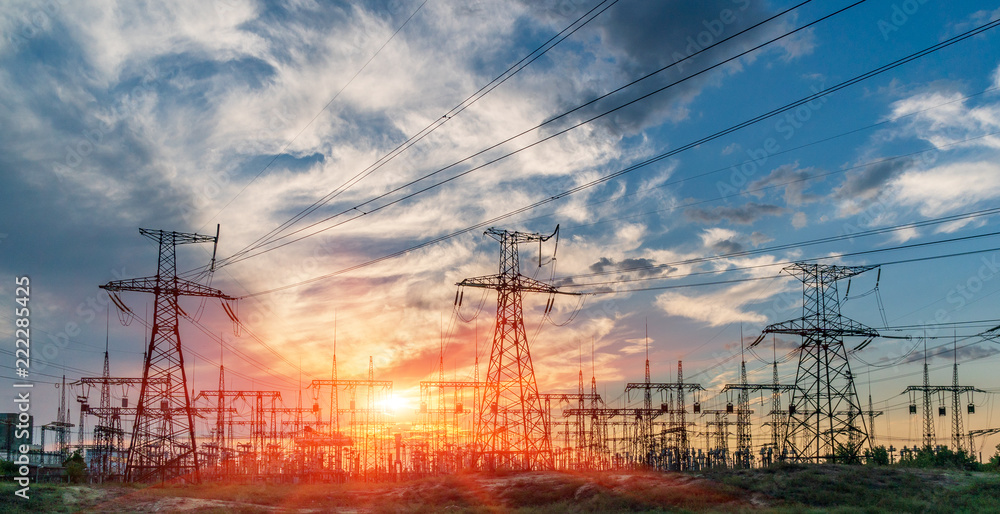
786,488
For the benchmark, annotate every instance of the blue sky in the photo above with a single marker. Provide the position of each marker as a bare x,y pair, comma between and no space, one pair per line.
180,116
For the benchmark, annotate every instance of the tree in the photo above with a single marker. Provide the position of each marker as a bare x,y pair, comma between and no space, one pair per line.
995,460
941,457
847,454
76,468
878,456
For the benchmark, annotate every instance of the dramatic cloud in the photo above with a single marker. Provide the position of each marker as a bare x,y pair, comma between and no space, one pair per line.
744,215
279,121
641,267
866,183
647,36
795,181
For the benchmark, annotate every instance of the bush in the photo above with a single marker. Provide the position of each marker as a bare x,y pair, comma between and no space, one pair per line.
878,456
994,463
76,468
847,454
943,457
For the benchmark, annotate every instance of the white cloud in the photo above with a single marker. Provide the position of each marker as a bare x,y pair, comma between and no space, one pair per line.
715,309
799,220
945,118
714,235
948,187
904,235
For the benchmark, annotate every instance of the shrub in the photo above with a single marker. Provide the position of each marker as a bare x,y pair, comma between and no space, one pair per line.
76,468
847,454
878,456
994,463
942,457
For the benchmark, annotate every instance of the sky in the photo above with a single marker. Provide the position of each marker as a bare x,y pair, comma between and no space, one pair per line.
353,153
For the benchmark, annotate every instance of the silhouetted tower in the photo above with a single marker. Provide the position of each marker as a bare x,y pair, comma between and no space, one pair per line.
930,441
681,429
62,420
777,415
957,432
582,459
510,428
163,438
598,436
644,449
744,444
220,415
825,404
104,432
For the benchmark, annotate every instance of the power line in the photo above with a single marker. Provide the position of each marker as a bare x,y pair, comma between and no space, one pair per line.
612,176
464,104
753,279
797,245
362,212
314,118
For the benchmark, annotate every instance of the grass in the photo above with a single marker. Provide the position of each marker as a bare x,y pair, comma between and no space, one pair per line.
784,488
848,489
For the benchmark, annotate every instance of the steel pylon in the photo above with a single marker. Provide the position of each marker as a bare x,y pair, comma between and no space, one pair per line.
510,430
163,438
825,410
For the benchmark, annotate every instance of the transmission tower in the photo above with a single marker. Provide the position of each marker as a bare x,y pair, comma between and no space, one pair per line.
63,420
106,434
957,431
824,408
510,429
929,439
683,445
163,438
744,445
927,390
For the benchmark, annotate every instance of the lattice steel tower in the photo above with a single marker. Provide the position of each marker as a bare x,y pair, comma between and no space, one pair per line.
824,408
510,427
163,439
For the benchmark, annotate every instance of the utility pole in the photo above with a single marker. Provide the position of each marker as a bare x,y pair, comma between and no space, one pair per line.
163,442
510,430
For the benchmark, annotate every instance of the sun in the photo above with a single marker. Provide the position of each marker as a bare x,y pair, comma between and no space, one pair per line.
398,405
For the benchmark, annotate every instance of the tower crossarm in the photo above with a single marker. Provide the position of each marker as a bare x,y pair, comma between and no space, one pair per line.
456,384
519,237
104,412
521,282
347,383
568,397
760,387
235,393
174,286
613,412
805,271
177,238
838,327
664,386
118,381
873,413
942,389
